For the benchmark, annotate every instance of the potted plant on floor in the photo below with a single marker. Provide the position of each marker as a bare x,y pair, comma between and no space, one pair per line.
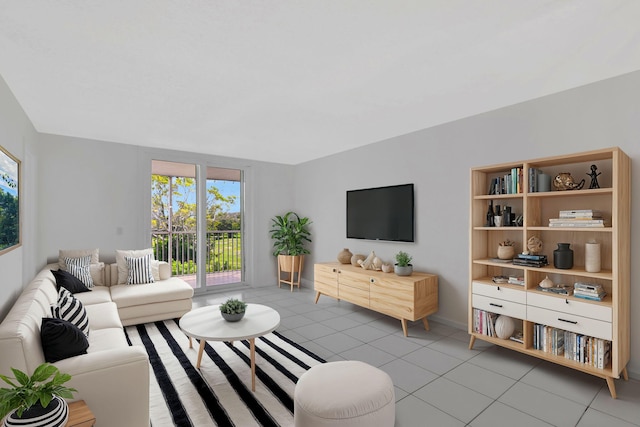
403,266
33,397
233,310
290,233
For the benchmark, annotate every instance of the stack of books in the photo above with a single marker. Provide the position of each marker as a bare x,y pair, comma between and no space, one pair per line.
531,260
558,289
578,218
590,291
516,280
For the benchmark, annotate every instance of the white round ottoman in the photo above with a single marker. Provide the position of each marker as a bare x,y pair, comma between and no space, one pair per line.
347,393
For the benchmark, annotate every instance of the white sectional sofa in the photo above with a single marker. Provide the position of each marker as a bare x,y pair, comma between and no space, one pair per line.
112,377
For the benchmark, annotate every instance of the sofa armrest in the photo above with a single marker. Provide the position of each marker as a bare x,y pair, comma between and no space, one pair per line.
165,270
114,384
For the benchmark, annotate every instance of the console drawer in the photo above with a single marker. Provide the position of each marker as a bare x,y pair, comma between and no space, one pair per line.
355,295
570,322
501,292
566,305
499,306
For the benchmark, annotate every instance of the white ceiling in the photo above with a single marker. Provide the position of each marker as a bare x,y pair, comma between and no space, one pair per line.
289,80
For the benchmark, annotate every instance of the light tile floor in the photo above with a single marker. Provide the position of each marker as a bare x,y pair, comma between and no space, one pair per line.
438,380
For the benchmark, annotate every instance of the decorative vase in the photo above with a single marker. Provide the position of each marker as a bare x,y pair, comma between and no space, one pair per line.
563,257
592,257
55,414
387,268
355,258
504,327
546,283
506,252
403,271
232,317
344,256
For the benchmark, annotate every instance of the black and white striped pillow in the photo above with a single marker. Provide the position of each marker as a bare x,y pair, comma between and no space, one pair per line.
69,308
139,270
80,267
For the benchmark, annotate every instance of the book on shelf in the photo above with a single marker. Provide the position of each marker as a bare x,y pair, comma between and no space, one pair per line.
516,280
581,213
532,257
584,286
501,261
577,222
595,352
500,279
529,262
589,295
517,337
558,289
484,322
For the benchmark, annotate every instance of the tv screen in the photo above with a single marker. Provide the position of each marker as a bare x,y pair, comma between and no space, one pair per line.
382,213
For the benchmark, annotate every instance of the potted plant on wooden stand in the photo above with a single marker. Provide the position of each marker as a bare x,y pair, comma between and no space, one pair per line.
34,401
290,233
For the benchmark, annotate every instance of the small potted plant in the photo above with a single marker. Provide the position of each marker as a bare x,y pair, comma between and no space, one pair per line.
233,310
403,266
506,249
33,397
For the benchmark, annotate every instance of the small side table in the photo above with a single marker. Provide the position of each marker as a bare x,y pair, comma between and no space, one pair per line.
80,415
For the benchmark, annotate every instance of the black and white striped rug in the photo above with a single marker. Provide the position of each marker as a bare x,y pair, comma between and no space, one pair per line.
219,393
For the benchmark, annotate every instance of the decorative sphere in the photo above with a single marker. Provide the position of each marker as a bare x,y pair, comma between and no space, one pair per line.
505,326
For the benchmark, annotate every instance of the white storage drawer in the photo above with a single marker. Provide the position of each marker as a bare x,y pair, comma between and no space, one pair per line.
570,322
501,292
500,306
565,305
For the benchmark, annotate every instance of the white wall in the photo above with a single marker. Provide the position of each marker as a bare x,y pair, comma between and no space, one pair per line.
97,194
18,136
437,161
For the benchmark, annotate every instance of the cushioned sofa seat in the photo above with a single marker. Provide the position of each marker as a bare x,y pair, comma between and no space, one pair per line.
166,298
98,294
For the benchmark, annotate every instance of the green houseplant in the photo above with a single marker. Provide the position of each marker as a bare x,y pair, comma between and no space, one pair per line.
233,309
403,266
290,233
39,393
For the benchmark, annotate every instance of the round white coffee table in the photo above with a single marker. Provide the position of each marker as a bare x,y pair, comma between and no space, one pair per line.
207,324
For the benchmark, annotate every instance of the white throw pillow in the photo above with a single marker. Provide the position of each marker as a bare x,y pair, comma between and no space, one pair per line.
97,273
139,270
123,270
77,253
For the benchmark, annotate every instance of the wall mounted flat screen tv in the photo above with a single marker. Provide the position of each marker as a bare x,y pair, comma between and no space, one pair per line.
382,213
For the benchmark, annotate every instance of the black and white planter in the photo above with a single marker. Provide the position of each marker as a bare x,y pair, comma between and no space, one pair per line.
55,414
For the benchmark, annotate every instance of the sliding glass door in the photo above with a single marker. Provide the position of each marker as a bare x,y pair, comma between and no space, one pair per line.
196,222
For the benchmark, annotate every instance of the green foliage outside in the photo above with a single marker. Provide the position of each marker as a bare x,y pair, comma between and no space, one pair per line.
9,220
224,249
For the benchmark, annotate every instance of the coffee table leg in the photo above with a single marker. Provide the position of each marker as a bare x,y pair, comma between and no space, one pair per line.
252,345
200,351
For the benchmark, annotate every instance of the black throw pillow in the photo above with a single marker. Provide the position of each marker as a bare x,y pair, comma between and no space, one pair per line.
61,339
66,280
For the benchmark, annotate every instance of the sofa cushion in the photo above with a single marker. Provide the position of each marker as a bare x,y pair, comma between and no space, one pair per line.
66,280
139,270
61,339
77,253
165,290
98,295
71,309
103,316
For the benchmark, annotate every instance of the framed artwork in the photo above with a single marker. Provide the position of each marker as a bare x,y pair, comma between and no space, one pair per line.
9,201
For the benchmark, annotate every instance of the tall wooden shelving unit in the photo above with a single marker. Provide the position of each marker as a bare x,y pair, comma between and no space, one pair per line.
607,319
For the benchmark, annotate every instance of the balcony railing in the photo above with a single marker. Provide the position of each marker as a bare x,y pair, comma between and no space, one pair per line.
179,249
